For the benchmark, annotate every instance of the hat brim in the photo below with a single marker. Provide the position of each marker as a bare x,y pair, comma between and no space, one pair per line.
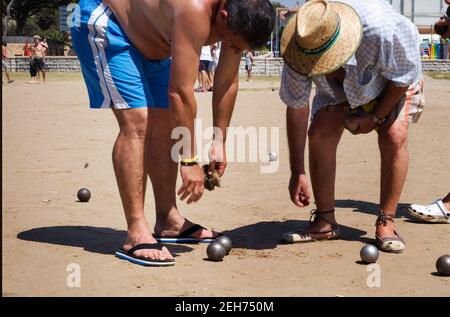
332,59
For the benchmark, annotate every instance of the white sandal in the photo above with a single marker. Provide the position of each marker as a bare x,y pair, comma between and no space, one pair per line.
435,212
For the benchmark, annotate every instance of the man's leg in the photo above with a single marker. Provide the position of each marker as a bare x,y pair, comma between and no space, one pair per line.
446,201
163,173
43,75
205,80
8,79
131,174
324,135
393,144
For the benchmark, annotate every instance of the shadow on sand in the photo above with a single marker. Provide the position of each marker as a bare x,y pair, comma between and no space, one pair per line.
267,234
92,239
371,208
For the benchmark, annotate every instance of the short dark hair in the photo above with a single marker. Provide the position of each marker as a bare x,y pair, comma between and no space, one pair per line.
4,43
254,20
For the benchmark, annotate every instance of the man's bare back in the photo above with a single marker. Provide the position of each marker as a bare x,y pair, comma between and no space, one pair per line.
149,24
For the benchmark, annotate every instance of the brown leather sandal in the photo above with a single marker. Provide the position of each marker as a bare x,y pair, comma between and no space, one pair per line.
388,243
307,236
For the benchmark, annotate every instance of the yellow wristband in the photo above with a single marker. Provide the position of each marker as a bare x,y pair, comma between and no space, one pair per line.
190,161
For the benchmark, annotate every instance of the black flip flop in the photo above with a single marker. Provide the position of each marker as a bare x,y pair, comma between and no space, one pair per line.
186,236
129,256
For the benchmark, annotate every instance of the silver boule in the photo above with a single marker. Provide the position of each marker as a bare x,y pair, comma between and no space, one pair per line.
369,253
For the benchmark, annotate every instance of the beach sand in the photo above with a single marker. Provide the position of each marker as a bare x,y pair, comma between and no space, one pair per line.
49,134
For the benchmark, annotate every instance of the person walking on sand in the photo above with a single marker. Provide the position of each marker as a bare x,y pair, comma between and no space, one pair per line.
147,79
5,62
248,57
364,59
37,60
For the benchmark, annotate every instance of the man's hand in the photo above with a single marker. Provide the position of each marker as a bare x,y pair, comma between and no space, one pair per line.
217,158
299,190
193,183
362,124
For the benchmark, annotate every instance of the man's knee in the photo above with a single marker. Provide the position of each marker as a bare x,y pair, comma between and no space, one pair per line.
133,123
320,133
396,137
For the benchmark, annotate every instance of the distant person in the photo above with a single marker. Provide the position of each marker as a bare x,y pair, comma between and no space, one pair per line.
45,46
26,49
37,59
205,61
5,62
248,56
211,68
438,211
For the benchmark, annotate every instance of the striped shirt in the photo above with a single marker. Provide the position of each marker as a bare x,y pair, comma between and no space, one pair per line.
389,51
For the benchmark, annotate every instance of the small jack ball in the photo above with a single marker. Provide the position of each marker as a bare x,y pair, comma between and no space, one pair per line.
84,195
216,251
443,265
273,156
369,253
226,242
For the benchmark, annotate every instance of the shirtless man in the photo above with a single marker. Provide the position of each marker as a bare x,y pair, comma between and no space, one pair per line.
37,59
124,48
5,62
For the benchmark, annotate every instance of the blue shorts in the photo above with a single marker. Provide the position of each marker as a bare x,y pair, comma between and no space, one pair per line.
116,74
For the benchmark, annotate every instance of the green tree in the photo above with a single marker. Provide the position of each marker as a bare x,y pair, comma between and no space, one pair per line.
277,4
22,10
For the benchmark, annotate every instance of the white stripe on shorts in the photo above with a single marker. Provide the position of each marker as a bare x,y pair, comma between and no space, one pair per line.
97,24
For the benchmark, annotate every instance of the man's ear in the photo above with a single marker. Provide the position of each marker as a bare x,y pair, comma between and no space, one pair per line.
222,16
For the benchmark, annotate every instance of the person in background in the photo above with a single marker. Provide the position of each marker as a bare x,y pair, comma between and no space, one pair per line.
45,46
5,62
37,59
205,61
26,49
248,56
212,65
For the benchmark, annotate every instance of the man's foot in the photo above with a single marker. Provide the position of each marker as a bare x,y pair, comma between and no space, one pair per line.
322,226
174,227
436,212
10,81
142,235
387,238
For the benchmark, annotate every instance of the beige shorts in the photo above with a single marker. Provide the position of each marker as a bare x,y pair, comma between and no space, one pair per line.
5,65
408,109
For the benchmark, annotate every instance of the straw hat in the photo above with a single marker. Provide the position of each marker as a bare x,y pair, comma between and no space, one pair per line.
321,37
37,37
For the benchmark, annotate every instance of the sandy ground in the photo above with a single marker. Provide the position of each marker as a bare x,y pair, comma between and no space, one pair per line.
49,134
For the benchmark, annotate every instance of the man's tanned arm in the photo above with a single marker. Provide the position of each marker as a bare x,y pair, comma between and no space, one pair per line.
226,82
190,31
